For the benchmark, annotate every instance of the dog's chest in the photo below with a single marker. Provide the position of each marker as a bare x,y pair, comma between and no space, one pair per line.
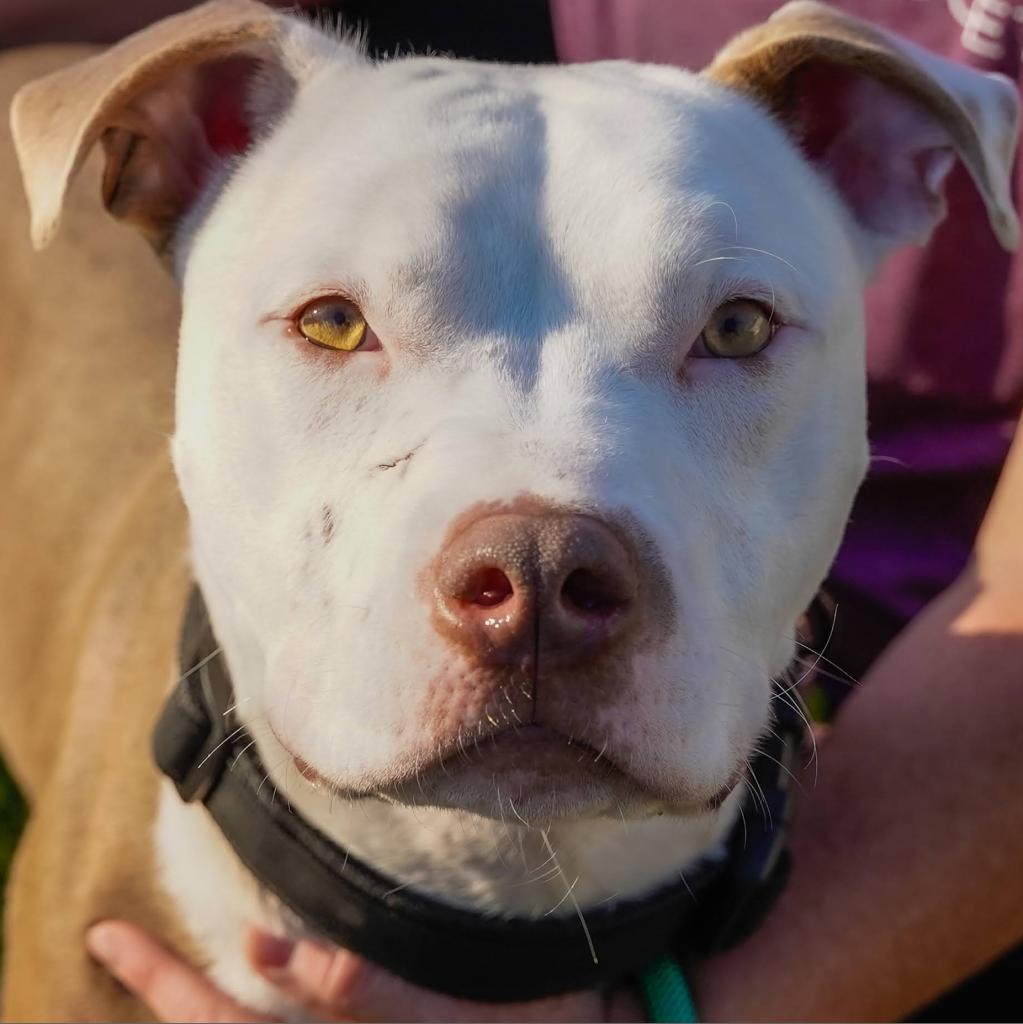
218,901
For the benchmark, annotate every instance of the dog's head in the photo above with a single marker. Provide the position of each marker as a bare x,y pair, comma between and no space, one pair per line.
520,409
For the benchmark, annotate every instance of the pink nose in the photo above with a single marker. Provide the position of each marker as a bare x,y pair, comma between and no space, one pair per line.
551,586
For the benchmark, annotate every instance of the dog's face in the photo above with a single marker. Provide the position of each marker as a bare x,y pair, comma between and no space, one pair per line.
538,503
520,411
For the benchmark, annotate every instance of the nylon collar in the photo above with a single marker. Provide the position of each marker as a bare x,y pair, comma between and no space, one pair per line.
200,746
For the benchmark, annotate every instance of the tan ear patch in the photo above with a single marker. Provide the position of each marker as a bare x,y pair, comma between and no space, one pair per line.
978,112
57,119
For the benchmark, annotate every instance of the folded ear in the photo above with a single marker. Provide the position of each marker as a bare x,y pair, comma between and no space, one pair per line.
170,104
883,118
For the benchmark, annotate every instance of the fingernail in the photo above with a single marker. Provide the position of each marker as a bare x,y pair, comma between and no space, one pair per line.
101,942
271,950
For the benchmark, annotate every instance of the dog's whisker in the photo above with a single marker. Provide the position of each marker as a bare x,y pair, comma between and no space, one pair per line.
535,877
199,665
763,800
749,789
500,802
831,633
756,790
766,252
227,739
720,259
541,867
833,676
688,887
794,701
545,834
784,767
238,756
820,654
567,896
731,210
236,704
515,811
621,813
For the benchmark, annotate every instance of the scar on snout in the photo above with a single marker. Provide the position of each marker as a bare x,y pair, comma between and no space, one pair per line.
397,462
327,524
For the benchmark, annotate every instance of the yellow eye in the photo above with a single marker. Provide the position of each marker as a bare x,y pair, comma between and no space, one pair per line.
736,329
333,323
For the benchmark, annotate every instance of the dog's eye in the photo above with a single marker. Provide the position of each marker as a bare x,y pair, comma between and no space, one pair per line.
333,323
736,329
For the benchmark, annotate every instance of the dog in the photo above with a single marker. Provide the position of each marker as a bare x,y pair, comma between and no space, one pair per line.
517,418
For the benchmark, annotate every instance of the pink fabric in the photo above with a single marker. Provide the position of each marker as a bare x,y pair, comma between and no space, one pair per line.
945,323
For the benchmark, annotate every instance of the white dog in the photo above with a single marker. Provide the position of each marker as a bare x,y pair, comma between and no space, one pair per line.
519,414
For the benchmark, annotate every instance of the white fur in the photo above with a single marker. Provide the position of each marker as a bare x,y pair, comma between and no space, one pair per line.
538,249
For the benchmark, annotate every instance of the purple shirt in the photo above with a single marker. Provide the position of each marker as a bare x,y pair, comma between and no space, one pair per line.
945,322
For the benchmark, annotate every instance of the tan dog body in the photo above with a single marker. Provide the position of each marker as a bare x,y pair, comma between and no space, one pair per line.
93,572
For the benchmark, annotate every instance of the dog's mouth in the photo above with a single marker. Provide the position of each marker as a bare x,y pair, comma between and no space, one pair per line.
531,773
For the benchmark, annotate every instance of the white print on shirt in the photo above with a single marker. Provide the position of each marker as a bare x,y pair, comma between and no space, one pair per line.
986,24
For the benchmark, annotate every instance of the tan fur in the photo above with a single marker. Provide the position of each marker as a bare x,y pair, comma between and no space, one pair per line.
81,102
92,577
763,62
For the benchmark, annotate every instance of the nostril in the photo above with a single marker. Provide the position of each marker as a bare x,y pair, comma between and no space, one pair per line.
488,588
586,593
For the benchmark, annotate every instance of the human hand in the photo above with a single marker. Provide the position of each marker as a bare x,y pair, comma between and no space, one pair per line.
331,984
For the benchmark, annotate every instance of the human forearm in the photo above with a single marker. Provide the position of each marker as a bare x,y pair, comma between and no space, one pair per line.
908,849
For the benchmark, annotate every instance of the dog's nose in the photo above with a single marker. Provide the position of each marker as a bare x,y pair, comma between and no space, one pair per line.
556,587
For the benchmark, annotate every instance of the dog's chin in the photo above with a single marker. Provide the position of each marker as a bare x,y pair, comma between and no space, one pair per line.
527,773
531,774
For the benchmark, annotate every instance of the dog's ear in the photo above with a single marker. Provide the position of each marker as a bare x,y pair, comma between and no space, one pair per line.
883,118
169,104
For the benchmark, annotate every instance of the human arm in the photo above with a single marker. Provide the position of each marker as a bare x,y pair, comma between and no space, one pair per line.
907,851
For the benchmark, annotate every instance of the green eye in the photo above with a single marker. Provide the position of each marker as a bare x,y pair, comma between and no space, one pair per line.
736,329
333,323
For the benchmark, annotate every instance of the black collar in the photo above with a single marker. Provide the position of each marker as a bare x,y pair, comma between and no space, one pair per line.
200,746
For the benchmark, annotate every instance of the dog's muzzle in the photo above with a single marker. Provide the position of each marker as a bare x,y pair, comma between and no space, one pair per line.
201,747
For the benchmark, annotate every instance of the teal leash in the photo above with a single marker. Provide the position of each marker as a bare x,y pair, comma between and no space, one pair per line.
667,993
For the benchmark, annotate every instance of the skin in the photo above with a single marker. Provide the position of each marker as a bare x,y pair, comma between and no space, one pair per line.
894,853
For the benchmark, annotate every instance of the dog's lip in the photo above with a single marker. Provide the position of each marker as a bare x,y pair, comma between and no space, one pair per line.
512,759
532,736
718,799
304,768
308,772
540,741
536,738
525,733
